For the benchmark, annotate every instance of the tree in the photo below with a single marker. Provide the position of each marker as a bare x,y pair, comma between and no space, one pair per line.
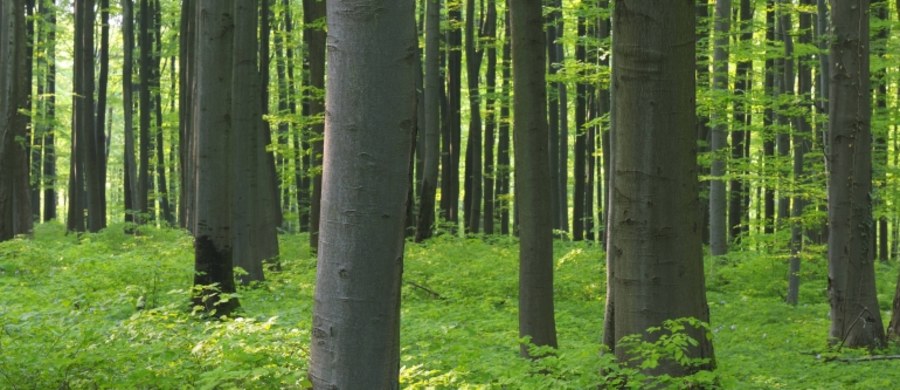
314,38
654,254
536,315
855,314
432,140
142,203
451,131
370,101
15,203
48,14
718,244
130,165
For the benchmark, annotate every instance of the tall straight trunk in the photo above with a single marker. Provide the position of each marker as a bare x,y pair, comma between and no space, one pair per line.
490,120
893,331
880,151
130,182
48,13
314,38
162,192
253,220
742,121
703,81
784,87
579,212
212,171
186,91
562,165
370,98
554,111
801,146
655,163
102,87
604,103
503,142
15,202
768,220
32,139
425,223
451,144
851,272
473,177
142,203
718,242
536,315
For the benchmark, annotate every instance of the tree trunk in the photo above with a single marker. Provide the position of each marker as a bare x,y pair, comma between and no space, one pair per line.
742,120
718,243
142,203
855,314
48,13
768,221
503,143
579,212
451,145
425,225
15,202
536,315
490,120
131,190
162,192
314,38
473,176
212,130
370,100
102,86
658,279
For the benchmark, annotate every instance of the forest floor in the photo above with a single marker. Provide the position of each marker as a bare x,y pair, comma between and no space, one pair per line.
69,317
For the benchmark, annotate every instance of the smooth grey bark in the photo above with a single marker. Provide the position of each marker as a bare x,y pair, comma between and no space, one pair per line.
432,137
655,255
253,221
15,202
212,172
370,114
855,314
532,174
718,229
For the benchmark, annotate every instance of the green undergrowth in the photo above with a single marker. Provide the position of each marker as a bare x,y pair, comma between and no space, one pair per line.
70,318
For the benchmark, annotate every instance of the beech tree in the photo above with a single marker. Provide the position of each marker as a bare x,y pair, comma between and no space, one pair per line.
431,137
654,253
851,268
371,111
532,173
15,202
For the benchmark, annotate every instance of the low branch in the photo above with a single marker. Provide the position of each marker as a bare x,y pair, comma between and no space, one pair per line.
430,292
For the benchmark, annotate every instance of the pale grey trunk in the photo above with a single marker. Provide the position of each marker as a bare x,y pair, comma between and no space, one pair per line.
655,233
370,106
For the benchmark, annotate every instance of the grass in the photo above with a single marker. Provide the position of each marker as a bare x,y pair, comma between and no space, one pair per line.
68,318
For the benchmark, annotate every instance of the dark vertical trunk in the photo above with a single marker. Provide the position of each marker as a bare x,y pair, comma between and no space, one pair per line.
603,102
880,151
562,164
503,142
554,111
473,171
579,213
718,243
768,135
33,139
314,38
490,120
48,13
162,192
431,137
655,162
536,315
102,87
855,314
742,121
186,53
142,203
131,192
784,87
451,144
703,82
356,318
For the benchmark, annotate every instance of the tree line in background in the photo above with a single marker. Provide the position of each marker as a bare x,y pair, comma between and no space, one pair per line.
784,109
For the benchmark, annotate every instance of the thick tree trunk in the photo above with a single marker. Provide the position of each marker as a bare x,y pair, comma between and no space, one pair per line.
658,279
212,130
855,314
15,202
536,315
370,100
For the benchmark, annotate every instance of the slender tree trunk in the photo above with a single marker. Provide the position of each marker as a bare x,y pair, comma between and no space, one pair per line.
142,203
718,243
579,212
48,13
356,318
490,120
314,37
102,86
655,162
855,314
553,111
703,81
503,142
880,151
801,147
162,192
473,179
452,136
768,221
130,182
187,89
536,315
742,121
425,224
